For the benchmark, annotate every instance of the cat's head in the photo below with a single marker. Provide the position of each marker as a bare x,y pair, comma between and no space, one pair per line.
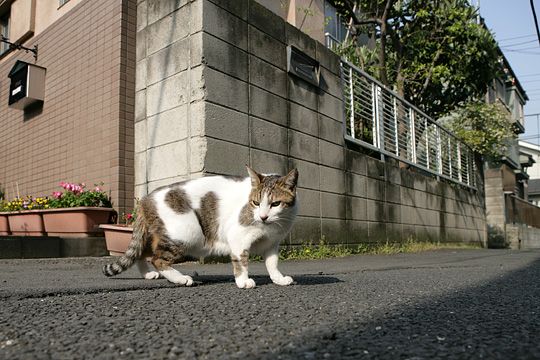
272,197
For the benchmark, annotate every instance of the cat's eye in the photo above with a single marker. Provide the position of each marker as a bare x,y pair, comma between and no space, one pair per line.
255,203
275,203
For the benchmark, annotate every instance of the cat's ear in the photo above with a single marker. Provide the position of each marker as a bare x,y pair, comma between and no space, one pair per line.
256,178
291,179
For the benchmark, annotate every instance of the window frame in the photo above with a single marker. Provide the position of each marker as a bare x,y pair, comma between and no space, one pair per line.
4,31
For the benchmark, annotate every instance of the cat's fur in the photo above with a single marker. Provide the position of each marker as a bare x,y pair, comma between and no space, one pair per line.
213,215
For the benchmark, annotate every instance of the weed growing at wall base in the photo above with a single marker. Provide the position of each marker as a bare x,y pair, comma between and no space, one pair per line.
324,250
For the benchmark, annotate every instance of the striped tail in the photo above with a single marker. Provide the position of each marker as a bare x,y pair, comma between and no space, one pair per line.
133,252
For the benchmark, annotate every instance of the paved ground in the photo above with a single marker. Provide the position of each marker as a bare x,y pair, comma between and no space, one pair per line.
444,304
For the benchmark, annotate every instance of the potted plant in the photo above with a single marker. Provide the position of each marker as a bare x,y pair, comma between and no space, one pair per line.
77,212
4,223
24,215
118,236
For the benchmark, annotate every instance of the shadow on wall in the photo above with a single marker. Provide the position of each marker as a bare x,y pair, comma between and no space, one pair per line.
498,319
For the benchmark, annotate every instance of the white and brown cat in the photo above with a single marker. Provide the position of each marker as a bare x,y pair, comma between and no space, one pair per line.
214,215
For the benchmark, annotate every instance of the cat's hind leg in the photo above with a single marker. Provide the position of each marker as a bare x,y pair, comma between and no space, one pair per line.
145,270
271,258
166,253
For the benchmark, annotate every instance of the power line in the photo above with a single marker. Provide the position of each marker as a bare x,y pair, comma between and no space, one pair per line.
523,52
517,37
525,48
519,43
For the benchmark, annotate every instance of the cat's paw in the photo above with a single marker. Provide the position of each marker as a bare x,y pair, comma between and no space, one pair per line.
186,280
151,275
283,281
245,284
179,279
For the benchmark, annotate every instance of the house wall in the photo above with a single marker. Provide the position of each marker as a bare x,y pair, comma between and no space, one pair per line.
227,100
84,130
534,150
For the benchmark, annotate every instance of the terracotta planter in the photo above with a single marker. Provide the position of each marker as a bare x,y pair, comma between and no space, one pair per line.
4,224
26,223
117,238
76,222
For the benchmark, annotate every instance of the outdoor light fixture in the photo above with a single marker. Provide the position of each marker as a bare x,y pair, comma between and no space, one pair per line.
27,85
303,66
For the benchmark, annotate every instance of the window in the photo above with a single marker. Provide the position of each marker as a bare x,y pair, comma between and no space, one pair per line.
4,31
62,3
334,27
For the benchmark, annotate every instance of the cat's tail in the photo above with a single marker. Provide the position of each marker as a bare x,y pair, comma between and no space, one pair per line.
134,250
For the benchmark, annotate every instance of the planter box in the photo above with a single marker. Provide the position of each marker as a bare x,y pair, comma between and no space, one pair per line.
75,222
26,223
4,224
117,238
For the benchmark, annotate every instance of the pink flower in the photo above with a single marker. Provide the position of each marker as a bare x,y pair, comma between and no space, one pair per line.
97,189
57,194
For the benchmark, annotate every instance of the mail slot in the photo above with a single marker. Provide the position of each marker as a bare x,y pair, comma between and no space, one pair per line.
27,85
303,66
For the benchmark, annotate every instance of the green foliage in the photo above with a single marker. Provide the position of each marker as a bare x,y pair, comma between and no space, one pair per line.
434,53
2,193
486,128
362,56
448,58
312,251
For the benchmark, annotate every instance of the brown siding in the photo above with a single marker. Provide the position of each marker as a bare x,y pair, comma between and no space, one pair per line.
84,131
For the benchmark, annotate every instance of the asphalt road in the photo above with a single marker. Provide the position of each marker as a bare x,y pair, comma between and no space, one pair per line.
443,304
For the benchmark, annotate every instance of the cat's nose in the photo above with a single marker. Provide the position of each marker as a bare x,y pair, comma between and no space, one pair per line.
264,217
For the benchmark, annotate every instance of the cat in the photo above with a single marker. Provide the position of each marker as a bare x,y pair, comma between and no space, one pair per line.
214,215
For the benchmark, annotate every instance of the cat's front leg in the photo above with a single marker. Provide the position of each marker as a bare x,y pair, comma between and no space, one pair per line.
145,271
240,270
271,258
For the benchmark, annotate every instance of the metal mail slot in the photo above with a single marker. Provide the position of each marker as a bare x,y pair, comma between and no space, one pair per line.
303,66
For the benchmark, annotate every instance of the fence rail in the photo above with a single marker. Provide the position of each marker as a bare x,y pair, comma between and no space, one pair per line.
521,212
377,118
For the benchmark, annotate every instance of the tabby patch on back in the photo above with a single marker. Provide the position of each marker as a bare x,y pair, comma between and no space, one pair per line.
215,215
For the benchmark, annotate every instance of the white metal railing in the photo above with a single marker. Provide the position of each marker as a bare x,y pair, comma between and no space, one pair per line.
331,42
377,118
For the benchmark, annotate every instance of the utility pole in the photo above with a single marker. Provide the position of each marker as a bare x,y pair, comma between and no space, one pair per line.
535,21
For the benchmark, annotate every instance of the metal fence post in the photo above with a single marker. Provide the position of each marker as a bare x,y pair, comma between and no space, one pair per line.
439,152
351,88
396,137
413,134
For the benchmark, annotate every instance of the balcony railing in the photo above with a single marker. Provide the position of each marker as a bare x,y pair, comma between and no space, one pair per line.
377,118
331,42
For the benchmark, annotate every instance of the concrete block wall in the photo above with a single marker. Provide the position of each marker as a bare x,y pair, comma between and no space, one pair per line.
168,110
242,107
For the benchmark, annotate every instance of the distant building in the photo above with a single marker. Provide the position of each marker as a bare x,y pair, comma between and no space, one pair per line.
532,151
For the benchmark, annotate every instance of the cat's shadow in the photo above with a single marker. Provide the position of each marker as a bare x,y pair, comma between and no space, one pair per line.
299,280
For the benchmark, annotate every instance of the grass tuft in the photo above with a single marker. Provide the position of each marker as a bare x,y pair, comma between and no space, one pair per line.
324,250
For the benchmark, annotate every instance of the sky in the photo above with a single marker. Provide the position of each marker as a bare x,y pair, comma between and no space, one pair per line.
512,23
